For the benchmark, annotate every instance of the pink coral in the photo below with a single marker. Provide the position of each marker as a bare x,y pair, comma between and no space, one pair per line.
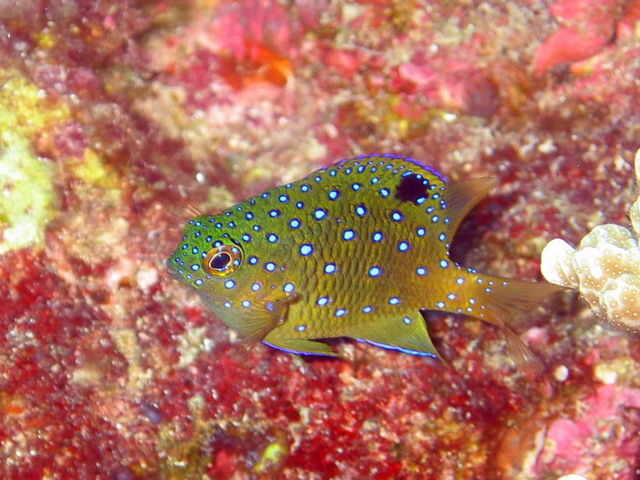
572,441
455,85
587,26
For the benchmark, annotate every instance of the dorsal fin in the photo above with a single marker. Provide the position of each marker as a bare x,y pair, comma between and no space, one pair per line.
463,195
184,213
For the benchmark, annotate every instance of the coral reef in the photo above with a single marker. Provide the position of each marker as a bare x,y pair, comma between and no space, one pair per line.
25,178
115,116
605,268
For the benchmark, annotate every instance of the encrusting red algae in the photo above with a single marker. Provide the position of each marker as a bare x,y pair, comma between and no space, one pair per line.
114,114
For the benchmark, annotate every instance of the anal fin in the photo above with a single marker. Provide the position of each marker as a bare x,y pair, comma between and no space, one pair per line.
521,355
403,332
301,346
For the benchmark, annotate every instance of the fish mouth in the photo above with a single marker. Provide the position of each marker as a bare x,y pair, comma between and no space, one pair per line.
172,272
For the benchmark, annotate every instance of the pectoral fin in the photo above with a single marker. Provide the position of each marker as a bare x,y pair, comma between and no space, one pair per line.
406,333
255,322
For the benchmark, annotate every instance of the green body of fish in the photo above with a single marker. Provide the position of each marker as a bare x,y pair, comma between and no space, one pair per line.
357,249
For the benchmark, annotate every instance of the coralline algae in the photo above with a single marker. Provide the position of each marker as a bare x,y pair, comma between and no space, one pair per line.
106,369
28,197
605,268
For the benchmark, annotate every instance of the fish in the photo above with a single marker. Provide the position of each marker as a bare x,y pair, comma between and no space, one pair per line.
357,249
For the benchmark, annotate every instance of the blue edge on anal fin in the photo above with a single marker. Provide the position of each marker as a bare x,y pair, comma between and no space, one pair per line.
377,344
295,352
399,349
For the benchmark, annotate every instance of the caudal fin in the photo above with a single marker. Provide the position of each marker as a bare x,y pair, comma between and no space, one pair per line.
497,301
502,299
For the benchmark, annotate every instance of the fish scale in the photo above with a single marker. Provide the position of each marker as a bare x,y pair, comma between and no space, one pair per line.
356,249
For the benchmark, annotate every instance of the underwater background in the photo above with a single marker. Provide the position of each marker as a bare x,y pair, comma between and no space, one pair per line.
115,116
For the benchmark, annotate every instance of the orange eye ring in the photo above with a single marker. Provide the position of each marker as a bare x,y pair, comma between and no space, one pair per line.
223,260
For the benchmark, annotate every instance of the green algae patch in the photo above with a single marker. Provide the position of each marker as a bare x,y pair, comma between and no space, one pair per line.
25,108
27,199
273,455
27,193
93,171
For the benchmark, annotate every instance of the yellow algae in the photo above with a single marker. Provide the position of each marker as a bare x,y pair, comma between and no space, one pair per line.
191,343
25,108
219,198
621,370
604,268
27,195
46,39
126,341
181,455
206,3
92,170
272,455
258,174
89,375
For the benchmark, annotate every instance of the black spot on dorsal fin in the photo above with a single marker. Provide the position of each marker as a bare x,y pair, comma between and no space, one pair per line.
411,188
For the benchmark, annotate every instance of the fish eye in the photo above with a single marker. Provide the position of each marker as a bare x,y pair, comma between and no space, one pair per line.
223,260
220,261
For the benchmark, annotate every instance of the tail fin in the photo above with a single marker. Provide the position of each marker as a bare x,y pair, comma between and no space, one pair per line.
496,300
501,299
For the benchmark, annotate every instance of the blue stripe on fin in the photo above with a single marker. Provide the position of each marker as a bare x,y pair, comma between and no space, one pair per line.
301,346
399,349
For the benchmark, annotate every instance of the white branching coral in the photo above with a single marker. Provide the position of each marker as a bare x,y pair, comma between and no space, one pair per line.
605,268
